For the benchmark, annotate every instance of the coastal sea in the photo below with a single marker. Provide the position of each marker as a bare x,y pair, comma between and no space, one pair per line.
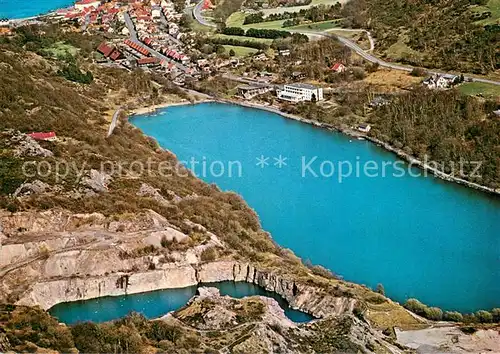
419,236
15,9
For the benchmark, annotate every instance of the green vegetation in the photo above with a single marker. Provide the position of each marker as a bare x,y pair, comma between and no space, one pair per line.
317,26
480,88
462,131
490,10
312,14
438,34
267,41
240,51
72,73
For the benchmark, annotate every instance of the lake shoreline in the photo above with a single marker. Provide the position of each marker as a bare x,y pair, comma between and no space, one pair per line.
349,132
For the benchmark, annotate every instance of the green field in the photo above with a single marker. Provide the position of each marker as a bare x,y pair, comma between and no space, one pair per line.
283,9
494,7
60,50
240,51
317,26
243,38
476,88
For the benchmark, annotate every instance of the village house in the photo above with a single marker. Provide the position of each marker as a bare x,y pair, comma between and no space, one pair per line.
338,68
250,91
284,53
49,136
364,128
300,92
438,81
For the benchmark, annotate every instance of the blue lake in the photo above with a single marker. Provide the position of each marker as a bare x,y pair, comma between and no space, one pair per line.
419,236
27,8
155,304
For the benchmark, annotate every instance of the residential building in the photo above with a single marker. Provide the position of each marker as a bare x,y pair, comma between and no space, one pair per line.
250,91
338,68
50,136
438,81
364,128
284,53
300,92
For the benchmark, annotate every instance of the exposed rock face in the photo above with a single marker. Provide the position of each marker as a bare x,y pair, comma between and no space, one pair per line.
147,191
28,147
97,181
35,187
308,299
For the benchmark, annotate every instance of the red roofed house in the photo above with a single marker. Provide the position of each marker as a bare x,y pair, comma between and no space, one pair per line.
50,136
148,61
115,55
338,67
105,49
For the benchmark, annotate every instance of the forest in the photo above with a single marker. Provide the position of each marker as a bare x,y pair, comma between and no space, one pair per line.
446,128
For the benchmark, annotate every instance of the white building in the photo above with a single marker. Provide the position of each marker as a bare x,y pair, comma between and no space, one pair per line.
300,92
4,22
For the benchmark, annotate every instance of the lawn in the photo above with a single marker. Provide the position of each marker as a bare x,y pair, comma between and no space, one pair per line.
60,50
317,26
243,38
266,25
278,10
494,7
476,88
240,51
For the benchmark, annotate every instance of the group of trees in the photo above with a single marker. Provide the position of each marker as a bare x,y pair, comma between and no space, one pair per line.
257,33
73,73
313,14
436,314
446,128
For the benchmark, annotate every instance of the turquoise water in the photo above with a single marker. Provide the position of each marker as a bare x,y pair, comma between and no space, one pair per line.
155,304
28,8
418,236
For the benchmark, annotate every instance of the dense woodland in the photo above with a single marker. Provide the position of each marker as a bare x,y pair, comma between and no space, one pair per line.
447,128
439,33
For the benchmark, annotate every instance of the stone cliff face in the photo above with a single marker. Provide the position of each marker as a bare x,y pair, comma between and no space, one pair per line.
308,299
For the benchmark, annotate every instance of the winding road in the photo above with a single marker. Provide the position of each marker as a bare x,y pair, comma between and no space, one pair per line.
348,43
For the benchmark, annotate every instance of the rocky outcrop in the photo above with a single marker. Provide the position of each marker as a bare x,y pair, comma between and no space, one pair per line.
302,297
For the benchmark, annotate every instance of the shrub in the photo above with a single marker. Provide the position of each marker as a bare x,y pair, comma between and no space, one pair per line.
433,313
209,254
418,72
496,314
453,316
415,306
380,289
484,316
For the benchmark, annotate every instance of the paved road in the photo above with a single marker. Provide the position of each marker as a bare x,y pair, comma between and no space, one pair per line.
133,38
197,15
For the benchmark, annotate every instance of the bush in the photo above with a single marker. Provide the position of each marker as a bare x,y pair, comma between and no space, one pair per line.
433,313
484,316
418,72
453,316
415,306
496,314
209,254
72,73
380,289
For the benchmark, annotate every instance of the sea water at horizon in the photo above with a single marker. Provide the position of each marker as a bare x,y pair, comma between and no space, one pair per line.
15,9
418,236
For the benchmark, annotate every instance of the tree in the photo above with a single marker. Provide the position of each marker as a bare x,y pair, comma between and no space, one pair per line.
232,53
313,97
380,289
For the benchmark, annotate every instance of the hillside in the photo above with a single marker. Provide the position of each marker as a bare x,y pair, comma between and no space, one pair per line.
454,35
89,222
